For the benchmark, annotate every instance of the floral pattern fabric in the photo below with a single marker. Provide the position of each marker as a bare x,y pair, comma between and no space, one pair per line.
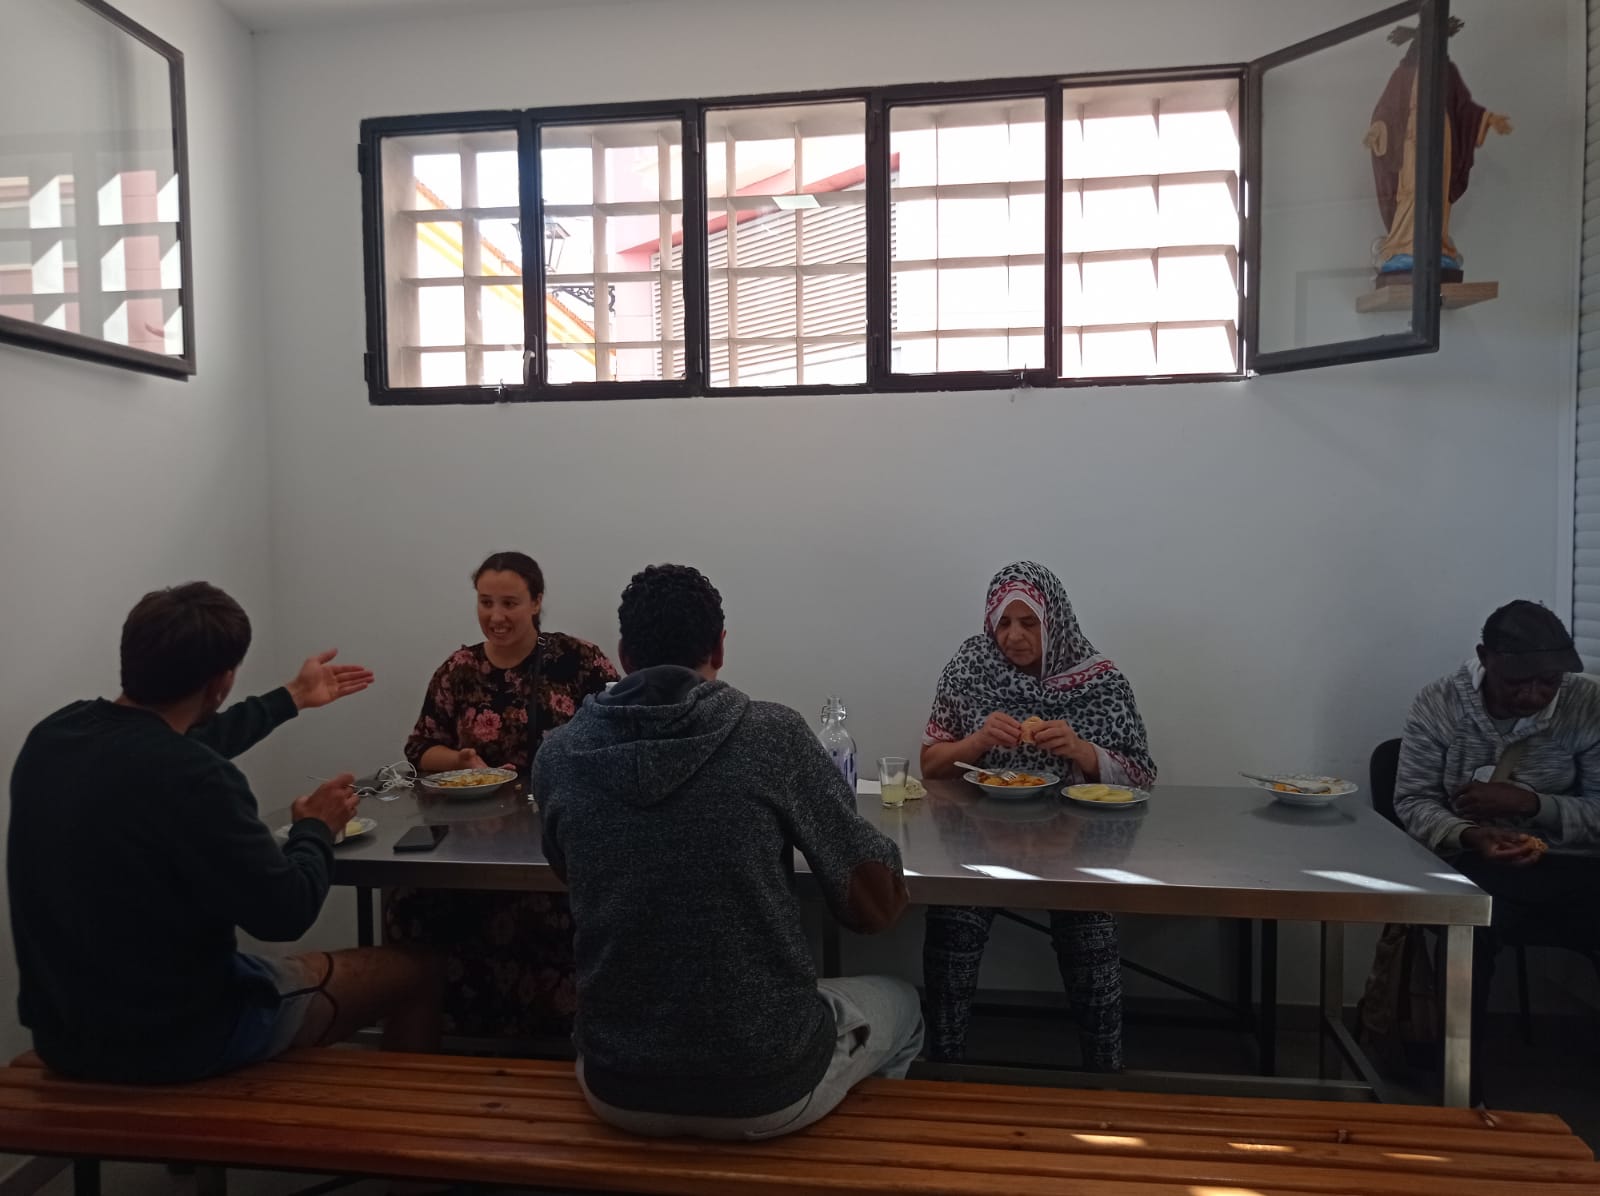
509,970
471,702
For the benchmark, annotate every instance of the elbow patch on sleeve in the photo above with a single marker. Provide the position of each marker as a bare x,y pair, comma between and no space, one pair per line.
875,897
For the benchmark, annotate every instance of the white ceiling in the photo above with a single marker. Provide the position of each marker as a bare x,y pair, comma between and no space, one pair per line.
288,14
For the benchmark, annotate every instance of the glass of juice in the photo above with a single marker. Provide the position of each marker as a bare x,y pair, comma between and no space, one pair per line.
892,771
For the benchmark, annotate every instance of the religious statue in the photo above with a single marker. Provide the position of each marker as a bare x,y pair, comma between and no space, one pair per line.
1394,162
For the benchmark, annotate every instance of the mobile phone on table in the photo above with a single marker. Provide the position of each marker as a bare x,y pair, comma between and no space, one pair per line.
422,838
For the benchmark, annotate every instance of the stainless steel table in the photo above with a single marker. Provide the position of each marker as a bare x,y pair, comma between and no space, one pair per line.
1191,852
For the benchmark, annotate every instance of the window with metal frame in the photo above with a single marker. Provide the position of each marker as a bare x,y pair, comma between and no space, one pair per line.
786,244
611,194
1150,229
967,268
1060,231
453,257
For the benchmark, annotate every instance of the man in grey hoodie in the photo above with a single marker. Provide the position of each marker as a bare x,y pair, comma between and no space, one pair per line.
672,808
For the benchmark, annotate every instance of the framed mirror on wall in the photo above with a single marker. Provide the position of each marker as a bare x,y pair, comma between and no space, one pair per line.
95,246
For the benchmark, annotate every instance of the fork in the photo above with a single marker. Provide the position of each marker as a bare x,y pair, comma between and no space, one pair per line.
1007,775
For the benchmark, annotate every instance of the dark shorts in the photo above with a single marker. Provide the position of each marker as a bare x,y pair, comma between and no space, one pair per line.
282,991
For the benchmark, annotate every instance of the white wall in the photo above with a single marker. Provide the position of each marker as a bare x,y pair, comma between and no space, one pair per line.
113,483
1278,565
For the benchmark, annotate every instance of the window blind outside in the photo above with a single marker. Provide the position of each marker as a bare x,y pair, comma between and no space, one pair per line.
834,323
1586,512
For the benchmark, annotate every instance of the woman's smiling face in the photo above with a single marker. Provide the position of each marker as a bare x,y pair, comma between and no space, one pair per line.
507,612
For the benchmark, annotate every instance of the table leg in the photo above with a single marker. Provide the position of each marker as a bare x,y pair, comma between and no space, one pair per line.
1267,1006
1331,1065
364,931
1458,1016
1244,962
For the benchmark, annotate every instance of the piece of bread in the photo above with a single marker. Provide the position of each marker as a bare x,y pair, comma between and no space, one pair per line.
1030,725
1538,845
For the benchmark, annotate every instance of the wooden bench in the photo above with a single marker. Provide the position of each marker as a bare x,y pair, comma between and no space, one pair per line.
523,1123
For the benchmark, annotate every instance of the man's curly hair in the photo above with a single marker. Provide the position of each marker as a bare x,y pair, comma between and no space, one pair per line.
670,614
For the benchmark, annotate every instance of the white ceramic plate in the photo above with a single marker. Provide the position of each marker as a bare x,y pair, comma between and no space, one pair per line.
1139,798
1337,787
354,828
1012,792
430,783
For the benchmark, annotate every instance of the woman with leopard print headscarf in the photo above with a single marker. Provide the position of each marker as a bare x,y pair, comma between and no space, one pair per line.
1031,693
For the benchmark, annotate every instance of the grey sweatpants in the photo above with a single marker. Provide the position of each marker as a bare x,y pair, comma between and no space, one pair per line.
880,1032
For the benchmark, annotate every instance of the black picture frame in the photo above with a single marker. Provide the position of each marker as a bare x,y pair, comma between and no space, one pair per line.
84,347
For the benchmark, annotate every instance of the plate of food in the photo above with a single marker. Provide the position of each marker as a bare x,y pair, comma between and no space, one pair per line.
1013,788
1302,788
467,782
355,828
1106,795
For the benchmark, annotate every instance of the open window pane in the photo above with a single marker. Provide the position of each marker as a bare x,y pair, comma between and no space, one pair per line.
1342,209
93,236
1150,228
786,233
967,250
453,259
612,198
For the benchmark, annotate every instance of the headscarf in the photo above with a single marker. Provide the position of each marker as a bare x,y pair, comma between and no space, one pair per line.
1075,684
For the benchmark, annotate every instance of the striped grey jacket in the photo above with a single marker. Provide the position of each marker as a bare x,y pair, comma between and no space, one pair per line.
1449,737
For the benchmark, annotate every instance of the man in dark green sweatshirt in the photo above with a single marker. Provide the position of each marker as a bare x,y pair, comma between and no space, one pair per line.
135,849
672,808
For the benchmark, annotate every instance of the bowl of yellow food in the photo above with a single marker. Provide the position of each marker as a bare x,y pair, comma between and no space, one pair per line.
1014,788
461,783
1105,795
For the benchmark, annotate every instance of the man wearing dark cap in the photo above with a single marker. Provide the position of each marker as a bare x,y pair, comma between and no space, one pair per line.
1500,774
1501,759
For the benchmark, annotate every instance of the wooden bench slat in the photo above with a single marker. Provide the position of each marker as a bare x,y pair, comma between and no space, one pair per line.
358,1058
1264,1145
866,1116
457,1125
654,1172
1330,1171
847,1121
1024,1105
436,1080
525,1122
882,1103
1222,1105
431,1071
1228,1105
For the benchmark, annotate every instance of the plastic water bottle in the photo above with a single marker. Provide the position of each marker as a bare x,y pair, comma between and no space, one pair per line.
841,747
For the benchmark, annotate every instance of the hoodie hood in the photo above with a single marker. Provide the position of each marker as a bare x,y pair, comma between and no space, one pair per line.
654,730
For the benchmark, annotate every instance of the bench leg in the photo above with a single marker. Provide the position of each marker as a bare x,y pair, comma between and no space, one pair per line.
86,1177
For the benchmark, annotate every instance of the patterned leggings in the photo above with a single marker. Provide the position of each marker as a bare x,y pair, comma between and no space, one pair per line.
1086,951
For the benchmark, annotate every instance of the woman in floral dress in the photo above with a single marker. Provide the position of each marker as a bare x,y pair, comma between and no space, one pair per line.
509,962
